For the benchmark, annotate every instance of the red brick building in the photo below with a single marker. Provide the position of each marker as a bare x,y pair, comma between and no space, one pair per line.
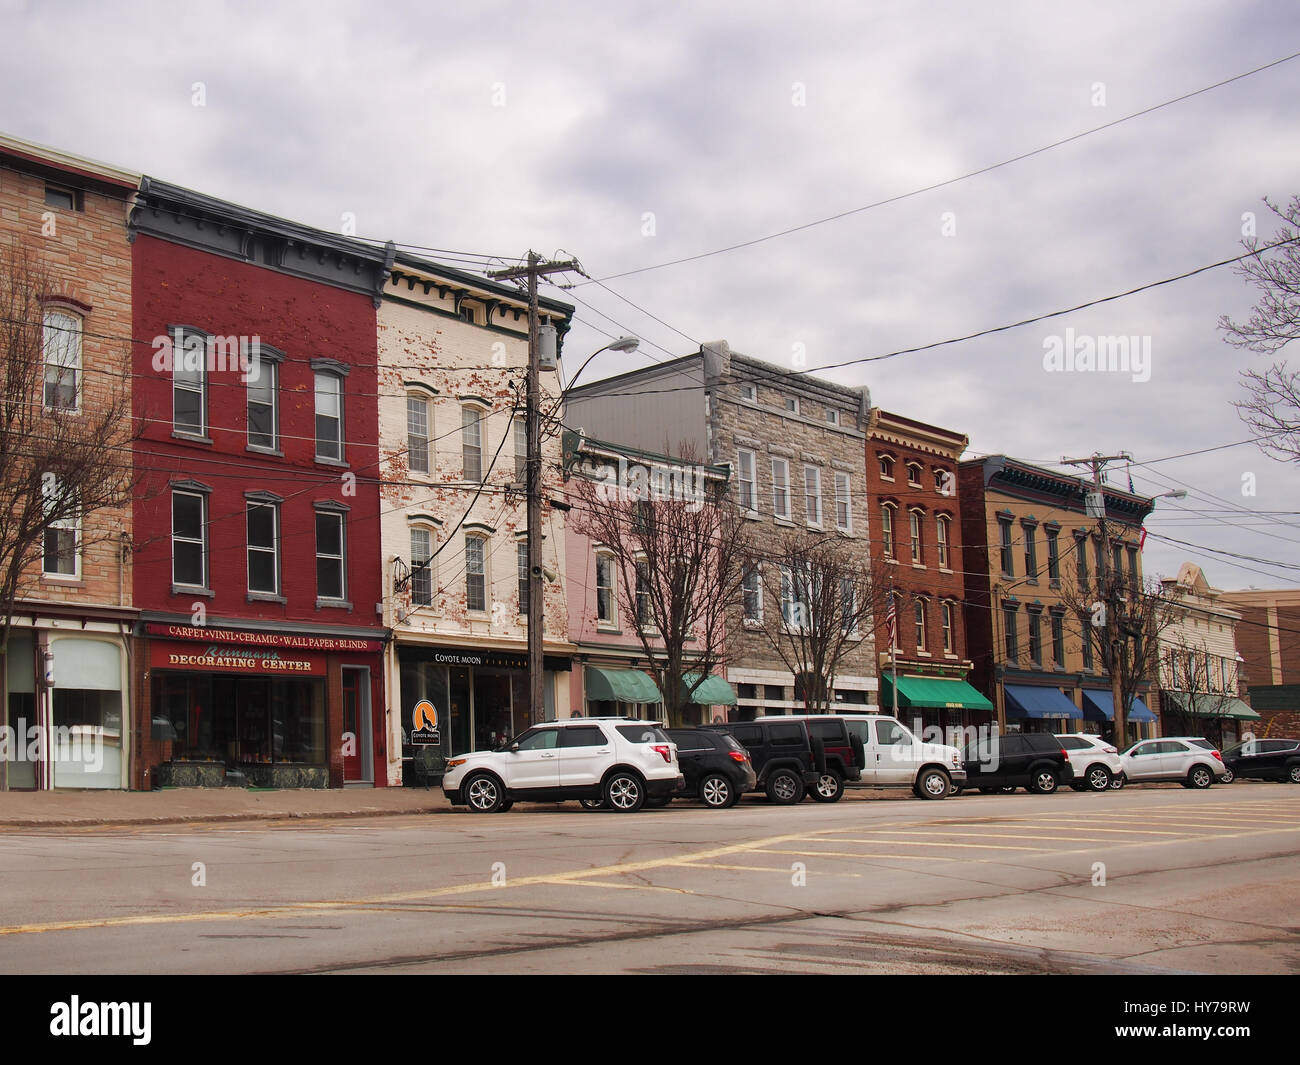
913,495
1268,640
257,559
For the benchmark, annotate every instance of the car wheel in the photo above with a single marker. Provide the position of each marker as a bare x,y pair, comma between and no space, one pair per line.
1228,775
829,787
1293,773
784,788
1043,783
505,806
716,792
1118,781
933,784
624,792
1010,789
1098,778
592,804
483,794
1200,776
955,789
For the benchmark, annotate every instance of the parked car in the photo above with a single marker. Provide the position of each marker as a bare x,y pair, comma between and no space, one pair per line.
716,767
1262,760
1035,761
1192,761
893,757
1096,763
781,750
618,761
837,754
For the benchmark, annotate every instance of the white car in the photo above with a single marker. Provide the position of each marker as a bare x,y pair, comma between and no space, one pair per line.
614,761
1192,761
1097,764
896,758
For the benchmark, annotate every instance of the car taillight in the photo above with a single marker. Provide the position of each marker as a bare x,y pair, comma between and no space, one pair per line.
739,756
1065,755
665,751
1217,755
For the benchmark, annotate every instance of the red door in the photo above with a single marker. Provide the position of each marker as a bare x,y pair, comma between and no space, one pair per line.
355,729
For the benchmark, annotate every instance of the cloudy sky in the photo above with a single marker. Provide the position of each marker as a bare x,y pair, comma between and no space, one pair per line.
629,135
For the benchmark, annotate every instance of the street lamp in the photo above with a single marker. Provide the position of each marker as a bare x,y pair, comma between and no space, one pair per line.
627,343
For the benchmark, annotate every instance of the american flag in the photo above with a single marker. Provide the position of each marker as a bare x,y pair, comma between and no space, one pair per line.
891,621
1142,540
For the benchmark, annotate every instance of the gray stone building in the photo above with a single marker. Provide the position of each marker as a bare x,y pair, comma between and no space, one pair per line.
796,445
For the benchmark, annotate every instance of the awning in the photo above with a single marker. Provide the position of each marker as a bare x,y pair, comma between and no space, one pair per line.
714,691
619,686
1026,700
931,692
1100,706
1211,706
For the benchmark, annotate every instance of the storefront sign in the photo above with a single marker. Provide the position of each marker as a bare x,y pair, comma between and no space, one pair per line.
228,658
264,639
424,718
460,656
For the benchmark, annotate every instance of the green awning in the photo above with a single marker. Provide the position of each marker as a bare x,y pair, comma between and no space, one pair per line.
619,686
1211,706
714,691
932,692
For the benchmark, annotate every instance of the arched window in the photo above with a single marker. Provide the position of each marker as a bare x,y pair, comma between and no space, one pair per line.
941,539
62,339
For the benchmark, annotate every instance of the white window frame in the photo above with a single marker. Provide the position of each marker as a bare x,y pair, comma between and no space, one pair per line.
748,486
202,541
418,457
919,620
832,416
268,370
916,542
520,430
888,540
843,502
341,557
644,613
523,577
812,495
749,391
274,549
781,489
756,591
914,473
608,558
471,441
62,350
941,526
885,463
335,381
422,594
70,524
476,572
180,349
792,405
947,616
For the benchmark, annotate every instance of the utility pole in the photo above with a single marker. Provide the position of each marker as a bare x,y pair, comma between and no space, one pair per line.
1108,590
535,269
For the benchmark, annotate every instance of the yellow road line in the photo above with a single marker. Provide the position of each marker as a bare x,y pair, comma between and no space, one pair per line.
921,843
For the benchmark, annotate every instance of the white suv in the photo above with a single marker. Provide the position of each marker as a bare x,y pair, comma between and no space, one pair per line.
617,760
1192,761
1097,764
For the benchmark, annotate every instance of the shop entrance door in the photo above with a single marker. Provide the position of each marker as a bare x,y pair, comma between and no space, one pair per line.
358,760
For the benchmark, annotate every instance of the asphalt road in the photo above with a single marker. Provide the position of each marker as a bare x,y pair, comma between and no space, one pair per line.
1153,880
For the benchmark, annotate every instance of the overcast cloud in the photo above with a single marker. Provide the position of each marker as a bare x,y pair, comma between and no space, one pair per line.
495,128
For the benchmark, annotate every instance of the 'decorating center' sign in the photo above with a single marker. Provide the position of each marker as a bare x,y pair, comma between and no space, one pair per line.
424,723
232,658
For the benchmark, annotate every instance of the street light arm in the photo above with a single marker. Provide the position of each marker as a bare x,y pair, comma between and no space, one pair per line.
627,343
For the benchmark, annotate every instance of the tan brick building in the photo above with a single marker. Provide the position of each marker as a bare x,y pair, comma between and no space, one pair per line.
69,651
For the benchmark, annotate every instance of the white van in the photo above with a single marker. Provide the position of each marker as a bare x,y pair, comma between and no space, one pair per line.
896,758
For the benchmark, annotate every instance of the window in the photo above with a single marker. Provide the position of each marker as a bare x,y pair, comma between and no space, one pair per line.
263,523
263,397
941,539
466,313
63,197
1053,556
189,382
1058,641
794,608
471,443
914,529
62,341
417,433
781,488
886,468
749,391
748,498
812,493
475,574
189,540
421,570
1086,623
1133,564
1117,558
1004,533
843,503
1099,556
1081,560
330,569
61,556
947,612
644,612
887,529
521,450
848,606
792,404
525,580
329,416
920,624
752,594
606,605
1012,641
832,416
1036,637
914,474
1031,551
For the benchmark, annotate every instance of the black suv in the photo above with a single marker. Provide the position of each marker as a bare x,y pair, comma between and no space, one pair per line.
837,753
717,768
1263,760
1030,760
789,761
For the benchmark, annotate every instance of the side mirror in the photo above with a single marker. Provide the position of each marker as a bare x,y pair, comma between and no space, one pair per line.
513,748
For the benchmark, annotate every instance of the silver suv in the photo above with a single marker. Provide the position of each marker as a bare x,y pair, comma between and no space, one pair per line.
1192,761
616,760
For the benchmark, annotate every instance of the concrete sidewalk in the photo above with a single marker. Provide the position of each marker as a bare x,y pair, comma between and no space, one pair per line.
37,809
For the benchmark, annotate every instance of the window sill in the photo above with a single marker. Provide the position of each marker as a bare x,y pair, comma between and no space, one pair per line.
949,654
274,452
890,480
265,597
923,654
891,560
185,589
786,522
752,515
338,463
333,604
193,438
753,623
816,525
919,565
945,569
610,630
63,580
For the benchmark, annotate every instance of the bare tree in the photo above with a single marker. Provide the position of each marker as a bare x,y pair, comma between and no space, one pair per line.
1272,404
1186,670
65,438
823,598
678,548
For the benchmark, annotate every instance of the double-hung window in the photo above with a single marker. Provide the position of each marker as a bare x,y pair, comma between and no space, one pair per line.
471,435
947,612
781,488
1031,551
62,339
521,552
263,525
1053,556
61,556
521,450
476,574
848,606
606,604
812,492
752,594
190,539
914,527
263,380
644,611
887,529
843,503
1035,637
1008,558
747,498
421,570
329,416
331,555
189,381
920,624
1058,641
941,540
417,433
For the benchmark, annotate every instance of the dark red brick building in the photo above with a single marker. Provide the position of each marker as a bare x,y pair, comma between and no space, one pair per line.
913,494
257,559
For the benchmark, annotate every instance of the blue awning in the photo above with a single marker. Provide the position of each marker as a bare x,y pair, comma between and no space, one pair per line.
1100,706
1026,700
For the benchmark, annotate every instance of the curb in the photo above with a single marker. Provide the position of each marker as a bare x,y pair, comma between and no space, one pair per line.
88,822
